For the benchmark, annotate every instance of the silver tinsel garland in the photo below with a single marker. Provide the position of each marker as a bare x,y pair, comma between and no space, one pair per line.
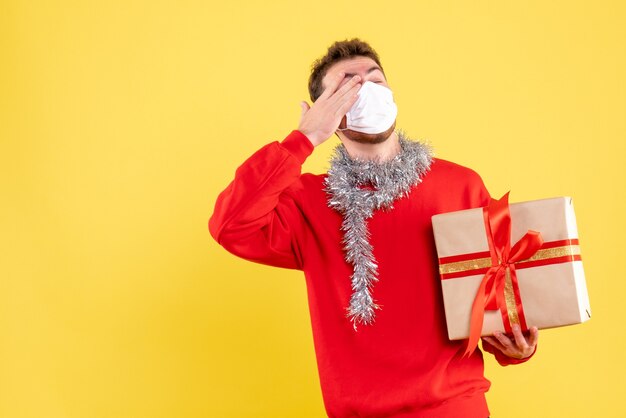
391,180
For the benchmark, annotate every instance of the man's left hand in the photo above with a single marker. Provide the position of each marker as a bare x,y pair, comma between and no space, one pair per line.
523,345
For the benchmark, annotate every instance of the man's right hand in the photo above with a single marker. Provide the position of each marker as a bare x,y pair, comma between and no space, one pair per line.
321,120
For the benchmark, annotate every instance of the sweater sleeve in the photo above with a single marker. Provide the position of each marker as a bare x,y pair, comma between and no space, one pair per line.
254,218
478,193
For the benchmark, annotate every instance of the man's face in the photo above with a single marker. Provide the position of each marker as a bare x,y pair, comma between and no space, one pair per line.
368,70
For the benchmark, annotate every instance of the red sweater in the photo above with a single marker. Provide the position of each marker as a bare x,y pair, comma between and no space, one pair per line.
403,365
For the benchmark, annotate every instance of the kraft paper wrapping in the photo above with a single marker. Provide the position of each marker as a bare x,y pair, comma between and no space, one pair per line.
552,295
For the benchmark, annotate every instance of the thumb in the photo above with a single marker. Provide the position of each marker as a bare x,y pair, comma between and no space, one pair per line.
305,107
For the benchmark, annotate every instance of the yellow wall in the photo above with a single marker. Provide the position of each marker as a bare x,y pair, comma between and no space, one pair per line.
121,121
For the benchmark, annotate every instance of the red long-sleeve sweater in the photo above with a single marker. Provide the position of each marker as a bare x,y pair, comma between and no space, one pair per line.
403,365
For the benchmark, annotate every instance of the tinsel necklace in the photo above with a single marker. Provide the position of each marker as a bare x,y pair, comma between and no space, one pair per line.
389,180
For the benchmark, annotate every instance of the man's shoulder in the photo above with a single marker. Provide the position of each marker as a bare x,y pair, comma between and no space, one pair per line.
442,164
445,167
308,183
312,180
313,177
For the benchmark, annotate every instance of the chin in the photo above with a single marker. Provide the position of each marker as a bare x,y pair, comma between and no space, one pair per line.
362,138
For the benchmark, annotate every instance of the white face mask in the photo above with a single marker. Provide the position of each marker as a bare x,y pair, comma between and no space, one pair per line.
373,112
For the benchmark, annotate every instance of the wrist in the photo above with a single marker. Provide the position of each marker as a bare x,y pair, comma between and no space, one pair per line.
311,136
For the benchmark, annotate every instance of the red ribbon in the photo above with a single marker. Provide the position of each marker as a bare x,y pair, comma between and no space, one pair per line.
491,293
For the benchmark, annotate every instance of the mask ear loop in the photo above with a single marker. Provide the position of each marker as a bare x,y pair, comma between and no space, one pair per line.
346,128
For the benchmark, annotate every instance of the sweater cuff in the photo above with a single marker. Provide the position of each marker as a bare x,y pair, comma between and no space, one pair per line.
298,145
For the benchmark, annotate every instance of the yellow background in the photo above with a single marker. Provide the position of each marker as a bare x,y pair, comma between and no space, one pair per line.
121,121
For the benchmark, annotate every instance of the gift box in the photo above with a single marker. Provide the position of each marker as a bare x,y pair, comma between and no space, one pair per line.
510,264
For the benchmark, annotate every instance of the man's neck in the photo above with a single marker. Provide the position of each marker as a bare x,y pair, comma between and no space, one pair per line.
381,152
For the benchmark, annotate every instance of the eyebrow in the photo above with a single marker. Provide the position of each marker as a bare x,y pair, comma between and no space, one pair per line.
348,75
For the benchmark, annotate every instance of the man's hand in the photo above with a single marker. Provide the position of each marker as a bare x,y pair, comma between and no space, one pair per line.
322,119
522,347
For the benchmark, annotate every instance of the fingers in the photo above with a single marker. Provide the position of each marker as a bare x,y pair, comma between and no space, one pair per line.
334,94
322,118
351,87
495,343
305,108
339,102
347,104
519,348
345,97
520,340
506,343
332,85
508,347
534,336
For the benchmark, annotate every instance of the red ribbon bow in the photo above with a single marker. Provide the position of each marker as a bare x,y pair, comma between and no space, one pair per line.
492,294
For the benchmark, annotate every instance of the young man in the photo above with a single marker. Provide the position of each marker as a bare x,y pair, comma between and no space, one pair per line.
362,235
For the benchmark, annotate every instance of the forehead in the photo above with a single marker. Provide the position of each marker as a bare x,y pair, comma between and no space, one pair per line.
355,65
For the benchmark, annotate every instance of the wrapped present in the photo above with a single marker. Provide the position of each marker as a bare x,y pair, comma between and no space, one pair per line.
503,265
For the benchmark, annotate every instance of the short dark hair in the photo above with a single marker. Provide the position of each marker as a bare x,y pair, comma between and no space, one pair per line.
338,51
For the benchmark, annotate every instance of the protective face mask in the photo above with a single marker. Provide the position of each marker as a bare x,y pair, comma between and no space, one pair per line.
374,110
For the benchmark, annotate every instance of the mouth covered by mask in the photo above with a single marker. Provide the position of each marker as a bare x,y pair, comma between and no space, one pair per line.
374,110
